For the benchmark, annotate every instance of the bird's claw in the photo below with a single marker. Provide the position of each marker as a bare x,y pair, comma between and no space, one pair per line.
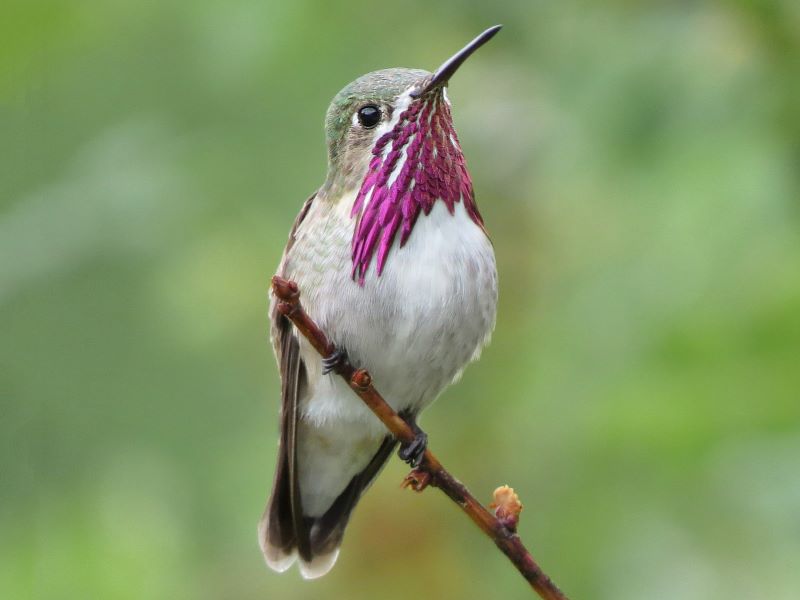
413,451
333,362
417,480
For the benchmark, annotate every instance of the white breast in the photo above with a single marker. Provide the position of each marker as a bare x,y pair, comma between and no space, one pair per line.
414,328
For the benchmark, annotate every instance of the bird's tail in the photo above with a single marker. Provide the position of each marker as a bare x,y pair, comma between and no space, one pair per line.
287,535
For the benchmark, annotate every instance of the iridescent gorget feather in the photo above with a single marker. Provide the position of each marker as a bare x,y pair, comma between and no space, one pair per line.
415,164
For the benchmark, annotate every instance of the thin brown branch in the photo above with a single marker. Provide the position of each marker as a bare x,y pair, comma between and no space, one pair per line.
502,531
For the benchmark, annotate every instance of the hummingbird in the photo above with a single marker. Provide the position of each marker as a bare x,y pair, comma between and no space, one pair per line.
395,265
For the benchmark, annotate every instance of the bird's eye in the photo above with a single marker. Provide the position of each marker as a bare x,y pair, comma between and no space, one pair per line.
369,116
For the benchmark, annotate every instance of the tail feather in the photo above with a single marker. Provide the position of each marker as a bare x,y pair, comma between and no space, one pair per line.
319,565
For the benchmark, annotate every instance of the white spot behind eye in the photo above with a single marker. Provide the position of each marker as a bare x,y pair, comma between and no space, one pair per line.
400,105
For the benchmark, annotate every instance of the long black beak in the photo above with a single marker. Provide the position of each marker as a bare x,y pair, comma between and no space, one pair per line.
450,66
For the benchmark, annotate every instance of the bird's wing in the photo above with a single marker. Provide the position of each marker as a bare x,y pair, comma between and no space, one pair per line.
283,528
275,318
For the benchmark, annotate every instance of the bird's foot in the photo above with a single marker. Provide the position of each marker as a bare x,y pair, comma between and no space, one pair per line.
334,361
413,451
417,480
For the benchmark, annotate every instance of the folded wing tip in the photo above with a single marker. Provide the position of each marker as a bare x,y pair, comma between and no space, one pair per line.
277,559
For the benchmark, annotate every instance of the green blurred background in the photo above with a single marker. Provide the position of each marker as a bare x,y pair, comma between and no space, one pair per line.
637,166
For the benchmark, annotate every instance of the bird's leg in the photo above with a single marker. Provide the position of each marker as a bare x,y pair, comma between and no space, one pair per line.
334,361
413,451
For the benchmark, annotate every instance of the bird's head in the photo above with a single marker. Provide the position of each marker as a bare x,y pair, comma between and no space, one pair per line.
390,135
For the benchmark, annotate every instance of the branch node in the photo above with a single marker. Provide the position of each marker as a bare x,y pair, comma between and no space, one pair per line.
285,290
286,308
361,379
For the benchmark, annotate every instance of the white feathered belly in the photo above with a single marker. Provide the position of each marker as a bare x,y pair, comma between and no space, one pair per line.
414,328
